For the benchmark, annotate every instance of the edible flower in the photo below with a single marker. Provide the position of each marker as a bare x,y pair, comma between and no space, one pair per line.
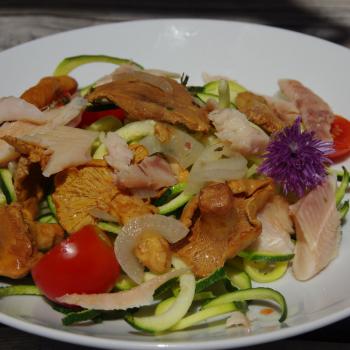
296,160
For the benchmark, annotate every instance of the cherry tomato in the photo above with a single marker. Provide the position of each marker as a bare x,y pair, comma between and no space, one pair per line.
90,117
340,131
83,263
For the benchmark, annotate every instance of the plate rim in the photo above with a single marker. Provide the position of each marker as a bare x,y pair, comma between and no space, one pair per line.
182,19
110,343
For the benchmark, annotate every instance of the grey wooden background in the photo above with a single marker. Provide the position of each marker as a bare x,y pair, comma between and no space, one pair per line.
25,20
21,21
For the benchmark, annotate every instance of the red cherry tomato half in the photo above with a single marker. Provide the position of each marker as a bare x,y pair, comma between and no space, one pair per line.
83,263
90,117
340,131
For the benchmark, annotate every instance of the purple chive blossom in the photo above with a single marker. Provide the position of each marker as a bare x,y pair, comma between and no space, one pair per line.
296,160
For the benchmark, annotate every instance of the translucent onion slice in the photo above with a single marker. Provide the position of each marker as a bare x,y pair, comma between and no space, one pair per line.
102,215
210,166
171,229
184,148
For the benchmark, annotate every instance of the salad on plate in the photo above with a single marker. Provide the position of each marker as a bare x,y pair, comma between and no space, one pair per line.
142,197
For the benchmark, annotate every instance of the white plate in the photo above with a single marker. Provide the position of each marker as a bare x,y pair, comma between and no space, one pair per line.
257,56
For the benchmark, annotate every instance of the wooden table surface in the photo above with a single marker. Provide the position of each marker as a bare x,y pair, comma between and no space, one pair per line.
21,21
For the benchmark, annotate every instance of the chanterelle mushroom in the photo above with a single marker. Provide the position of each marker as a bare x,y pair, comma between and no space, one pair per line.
227,223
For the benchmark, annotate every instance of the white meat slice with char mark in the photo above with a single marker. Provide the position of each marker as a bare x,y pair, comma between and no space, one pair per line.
317,223
152,173
316,114
233,127
139,296
119,155
277,226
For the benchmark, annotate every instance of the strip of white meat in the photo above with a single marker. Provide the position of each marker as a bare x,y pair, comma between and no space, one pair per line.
139,296
14,108
316,114
233,127
317,223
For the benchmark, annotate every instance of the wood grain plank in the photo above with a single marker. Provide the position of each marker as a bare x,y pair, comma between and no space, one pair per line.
325,19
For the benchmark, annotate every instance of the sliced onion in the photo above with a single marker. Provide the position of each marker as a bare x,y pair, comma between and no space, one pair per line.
184,148
210,167
102,215
152,144
171,229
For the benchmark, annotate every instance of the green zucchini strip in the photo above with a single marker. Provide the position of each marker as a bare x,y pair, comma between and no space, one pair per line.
238,278
343,210
70,63
265,256
80,316
170,193
51,204
341,190
3,200
19,290
203,315
109,227
208,281
259,293
164,305
175,203
8,189
263,272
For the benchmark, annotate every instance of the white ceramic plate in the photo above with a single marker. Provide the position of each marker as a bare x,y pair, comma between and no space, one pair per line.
257,56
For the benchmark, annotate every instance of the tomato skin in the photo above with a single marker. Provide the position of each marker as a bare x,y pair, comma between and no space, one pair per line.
83,263
90,117
340,131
